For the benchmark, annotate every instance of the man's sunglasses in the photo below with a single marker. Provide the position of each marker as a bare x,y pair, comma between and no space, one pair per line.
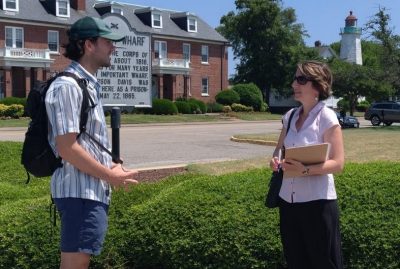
302,80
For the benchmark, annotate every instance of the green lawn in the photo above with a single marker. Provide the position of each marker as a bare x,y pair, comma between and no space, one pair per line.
141,118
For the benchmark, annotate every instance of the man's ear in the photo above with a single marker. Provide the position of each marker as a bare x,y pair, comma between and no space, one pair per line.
89,45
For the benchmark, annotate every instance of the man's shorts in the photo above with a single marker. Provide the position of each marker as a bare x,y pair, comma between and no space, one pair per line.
83,225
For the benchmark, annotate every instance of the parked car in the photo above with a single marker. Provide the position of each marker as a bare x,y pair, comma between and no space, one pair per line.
386,112
347,121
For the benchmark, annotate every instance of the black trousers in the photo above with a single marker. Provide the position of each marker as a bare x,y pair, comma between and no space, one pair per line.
310,234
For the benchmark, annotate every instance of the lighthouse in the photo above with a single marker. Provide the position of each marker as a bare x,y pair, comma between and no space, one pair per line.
350,45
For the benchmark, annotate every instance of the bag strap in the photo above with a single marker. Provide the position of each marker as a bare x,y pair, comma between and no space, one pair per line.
83,83
287,130
290,120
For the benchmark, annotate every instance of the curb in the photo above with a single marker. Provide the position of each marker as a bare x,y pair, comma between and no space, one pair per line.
254,141
166,167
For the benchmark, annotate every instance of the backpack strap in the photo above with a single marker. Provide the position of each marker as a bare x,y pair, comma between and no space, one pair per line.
85,112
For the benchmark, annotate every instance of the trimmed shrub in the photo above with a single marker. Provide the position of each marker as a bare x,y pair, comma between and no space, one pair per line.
363,106
241,108
264,107
183,107
202,106
12,111
164,107
227,109
250,95
200,221
227,97
214,108
13,101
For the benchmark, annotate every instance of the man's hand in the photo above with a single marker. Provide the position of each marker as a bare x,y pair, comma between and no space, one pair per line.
121,177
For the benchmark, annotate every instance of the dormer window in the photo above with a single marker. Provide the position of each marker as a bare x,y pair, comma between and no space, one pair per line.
62,8
117,10
192,25
11,5
156,20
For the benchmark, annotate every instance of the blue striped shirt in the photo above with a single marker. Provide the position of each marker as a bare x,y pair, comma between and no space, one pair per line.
63,105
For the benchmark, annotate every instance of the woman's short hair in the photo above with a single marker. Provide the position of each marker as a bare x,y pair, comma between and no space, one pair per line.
320,75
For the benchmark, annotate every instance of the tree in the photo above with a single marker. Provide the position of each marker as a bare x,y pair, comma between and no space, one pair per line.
267,41
381,32
352,81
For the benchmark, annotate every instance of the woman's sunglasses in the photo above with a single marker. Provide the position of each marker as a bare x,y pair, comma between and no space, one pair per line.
302,80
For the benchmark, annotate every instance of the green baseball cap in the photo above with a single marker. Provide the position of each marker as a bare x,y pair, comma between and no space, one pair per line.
92,27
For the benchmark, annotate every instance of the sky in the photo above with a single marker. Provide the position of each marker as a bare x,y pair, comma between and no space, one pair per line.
322,19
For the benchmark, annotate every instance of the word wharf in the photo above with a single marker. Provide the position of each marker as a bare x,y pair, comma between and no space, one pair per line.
134,40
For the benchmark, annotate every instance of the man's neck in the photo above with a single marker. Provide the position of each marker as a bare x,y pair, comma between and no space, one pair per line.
88,65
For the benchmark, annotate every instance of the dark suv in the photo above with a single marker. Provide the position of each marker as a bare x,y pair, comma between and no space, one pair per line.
386,112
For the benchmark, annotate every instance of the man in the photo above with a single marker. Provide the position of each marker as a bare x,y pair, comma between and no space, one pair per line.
81,188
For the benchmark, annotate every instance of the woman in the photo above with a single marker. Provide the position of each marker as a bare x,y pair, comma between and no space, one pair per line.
309,217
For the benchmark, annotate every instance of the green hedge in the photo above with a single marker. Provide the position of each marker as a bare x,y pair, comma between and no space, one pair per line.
183,107
202,106
198,221
227,97
163,107
250,95
241,108
214,108
11,111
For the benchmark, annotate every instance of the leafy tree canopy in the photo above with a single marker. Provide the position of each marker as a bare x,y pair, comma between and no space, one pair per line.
267,41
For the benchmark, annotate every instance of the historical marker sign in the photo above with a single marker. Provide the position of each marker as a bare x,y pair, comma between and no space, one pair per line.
127,82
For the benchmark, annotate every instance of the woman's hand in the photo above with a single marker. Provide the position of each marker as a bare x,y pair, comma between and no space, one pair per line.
274,163
292,165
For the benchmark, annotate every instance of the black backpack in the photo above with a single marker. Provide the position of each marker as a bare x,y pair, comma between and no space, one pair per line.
37,156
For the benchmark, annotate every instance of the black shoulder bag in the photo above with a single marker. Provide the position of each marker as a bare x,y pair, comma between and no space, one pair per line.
272,197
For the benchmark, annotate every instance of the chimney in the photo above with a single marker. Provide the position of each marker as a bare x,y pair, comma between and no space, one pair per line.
79,5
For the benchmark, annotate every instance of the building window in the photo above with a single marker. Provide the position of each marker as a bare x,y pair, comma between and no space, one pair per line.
204,54
192,25
160,49
156,20
62,8
14,37
186,51
117,10
11,5
204,86
52,40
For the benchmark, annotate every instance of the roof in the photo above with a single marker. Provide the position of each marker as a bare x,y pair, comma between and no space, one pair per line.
33,11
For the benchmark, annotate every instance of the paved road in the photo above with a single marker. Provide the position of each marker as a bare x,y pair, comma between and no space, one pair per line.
157,145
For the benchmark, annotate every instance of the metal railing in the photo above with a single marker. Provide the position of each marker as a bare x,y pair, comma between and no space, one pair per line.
25,53
172,63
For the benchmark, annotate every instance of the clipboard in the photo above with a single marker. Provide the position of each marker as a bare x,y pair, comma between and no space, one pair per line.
311,154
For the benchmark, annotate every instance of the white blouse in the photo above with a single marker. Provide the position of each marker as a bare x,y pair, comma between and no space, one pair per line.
309,188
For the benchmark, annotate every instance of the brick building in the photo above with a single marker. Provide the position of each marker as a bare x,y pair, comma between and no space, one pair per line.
189,58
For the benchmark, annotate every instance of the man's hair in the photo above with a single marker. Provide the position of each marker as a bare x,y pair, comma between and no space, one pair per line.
320,75
75,49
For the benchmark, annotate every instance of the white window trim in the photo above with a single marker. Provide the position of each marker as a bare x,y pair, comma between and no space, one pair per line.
11,9
190,54
195,25
208,54
58,41
159,48
14,36
58,9
152,20
208,87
